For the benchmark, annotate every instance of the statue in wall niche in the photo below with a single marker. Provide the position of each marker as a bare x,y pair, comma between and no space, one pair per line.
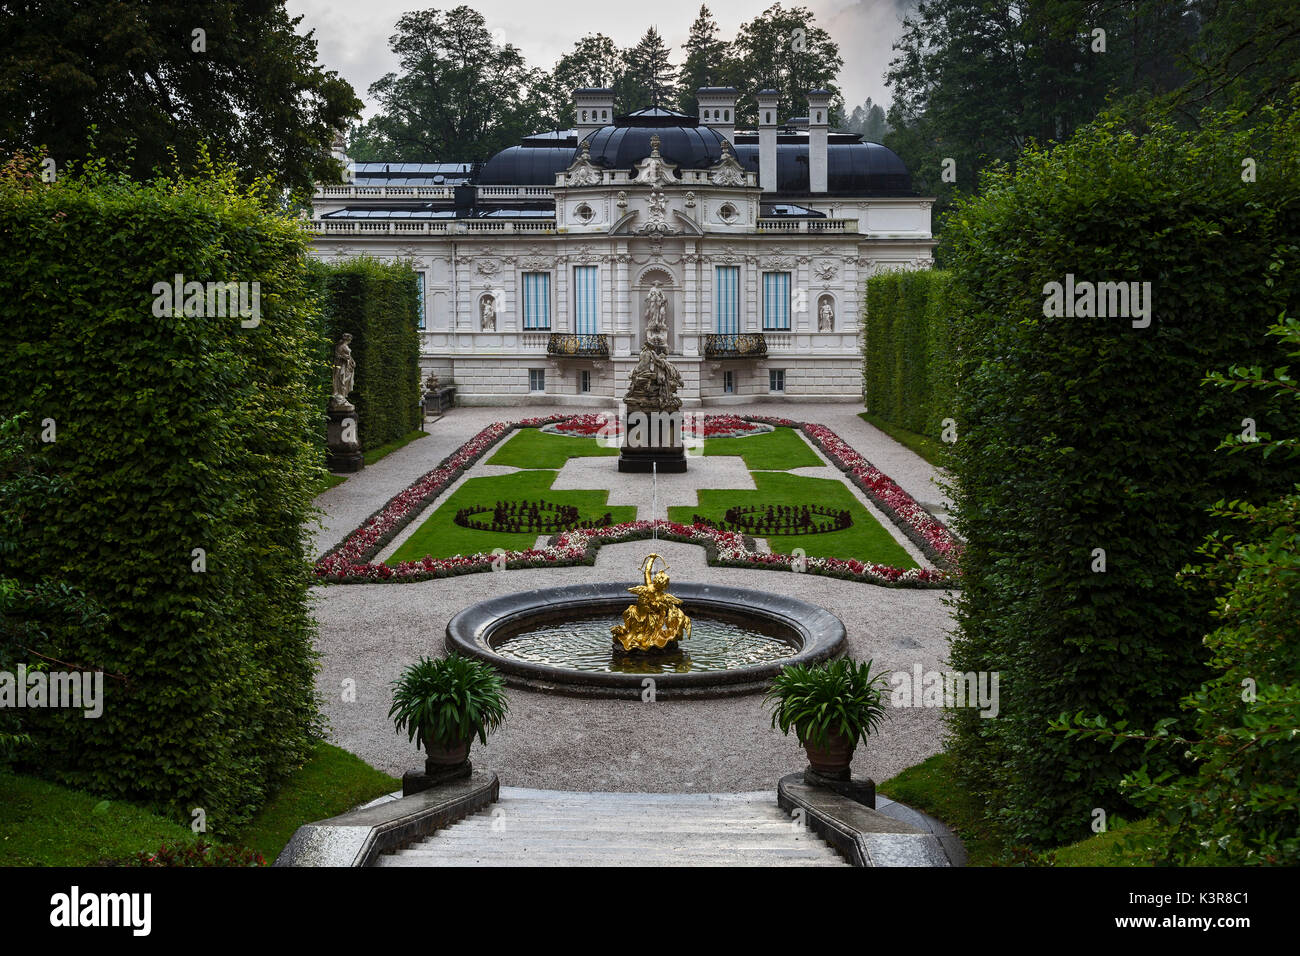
488,315
345,370
656,318
826,317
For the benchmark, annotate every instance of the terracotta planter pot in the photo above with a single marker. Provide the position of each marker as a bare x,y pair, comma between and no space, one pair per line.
444,755
834,759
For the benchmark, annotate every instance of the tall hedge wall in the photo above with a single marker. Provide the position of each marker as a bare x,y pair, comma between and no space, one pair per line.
173,433
907,350
378,303
1083,433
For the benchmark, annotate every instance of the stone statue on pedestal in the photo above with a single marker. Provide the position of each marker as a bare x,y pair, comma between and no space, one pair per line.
652,434
343,444
345,370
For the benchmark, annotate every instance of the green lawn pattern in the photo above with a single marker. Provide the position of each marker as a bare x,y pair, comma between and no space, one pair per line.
767,456
866,540
441,537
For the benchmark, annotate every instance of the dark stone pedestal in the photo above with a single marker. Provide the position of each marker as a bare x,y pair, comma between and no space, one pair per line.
343,441
666,461
414,781
652,441
859,789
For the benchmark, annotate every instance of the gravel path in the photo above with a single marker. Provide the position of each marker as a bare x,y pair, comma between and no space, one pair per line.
368,633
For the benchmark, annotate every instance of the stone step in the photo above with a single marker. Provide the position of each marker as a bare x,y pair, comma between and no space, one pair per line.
703,838
555,828
504,825
575,861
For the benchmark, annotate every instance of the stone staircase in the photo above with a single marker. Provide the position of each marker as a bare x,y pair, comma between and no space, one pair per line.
560,828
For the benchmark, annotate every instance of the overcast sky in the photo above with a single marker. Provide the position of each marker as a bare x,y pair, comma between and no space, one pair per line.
352,37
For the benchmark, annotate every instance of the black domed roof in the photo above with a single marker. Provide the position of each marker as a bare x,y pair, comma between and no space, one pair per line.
864,169
526,166
682,140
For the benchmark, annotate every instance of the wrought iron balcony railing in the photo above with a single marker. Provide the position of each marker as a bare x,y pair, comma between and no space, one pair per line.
751,345
578,346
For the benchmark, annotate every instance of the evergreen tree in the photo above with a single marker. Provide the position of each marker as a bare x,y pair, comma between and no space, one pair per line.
706,61
649,77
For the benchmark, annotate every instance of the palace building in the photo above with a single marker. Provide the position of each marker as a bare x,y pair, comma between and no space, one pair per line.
535,266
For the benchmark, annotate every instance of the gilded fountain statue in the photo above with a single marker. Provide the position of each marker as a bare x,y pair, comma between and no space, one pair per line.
656,622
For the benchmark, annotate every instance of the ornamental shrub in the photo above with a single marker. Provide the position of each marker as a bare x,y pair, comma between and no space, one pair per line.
1085,463
186,450
378,303
1239,804
907,350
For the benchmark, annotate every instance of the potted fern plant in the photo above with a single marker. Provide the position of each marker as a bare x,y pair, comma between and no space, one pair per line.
830,707
446,703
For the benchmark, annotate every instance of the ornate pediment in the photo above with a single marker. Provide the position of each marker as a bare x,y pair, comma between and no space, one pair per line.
583,172
654,170
728,171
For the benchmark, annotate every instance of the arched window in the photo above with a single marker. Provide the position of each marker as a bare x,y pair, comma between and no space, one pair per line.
726,115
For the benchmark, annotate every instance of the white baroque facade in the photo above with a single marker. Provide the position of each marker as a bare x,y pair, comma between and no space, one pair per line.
535,266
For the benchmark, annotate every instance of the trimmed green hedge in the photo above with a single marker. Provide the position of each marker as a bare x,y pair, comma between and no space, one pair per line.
174,432
907,371
378,303
1085,433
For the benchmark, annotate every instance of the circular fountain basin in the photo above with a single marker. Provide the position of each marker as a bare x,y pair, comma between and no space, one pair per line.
557,640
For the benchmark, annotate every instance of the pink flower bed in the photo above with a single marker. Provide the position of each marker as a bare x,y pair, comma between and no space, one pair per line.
693,426
351,560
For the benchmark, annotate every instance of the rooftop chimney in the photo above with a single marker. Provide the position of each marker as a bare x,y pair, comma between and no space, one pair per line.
819,121
768,101
718,109
593,107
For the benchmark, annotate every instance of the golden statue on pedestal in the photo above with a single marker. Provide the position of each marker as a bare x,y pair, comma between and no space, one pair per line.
656,620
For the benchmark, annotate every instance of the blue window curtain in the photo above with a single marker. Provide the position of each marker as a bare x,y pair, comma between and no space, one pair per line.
726,296
585,307
537,300
419,277
776,300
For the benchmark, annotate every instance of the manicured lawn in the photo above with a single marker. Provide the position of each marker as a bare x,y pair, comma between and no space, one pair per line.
933,787
775,451
533,448
375,454
441,537
935,452
332,782
866,540
1110,848
44,824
